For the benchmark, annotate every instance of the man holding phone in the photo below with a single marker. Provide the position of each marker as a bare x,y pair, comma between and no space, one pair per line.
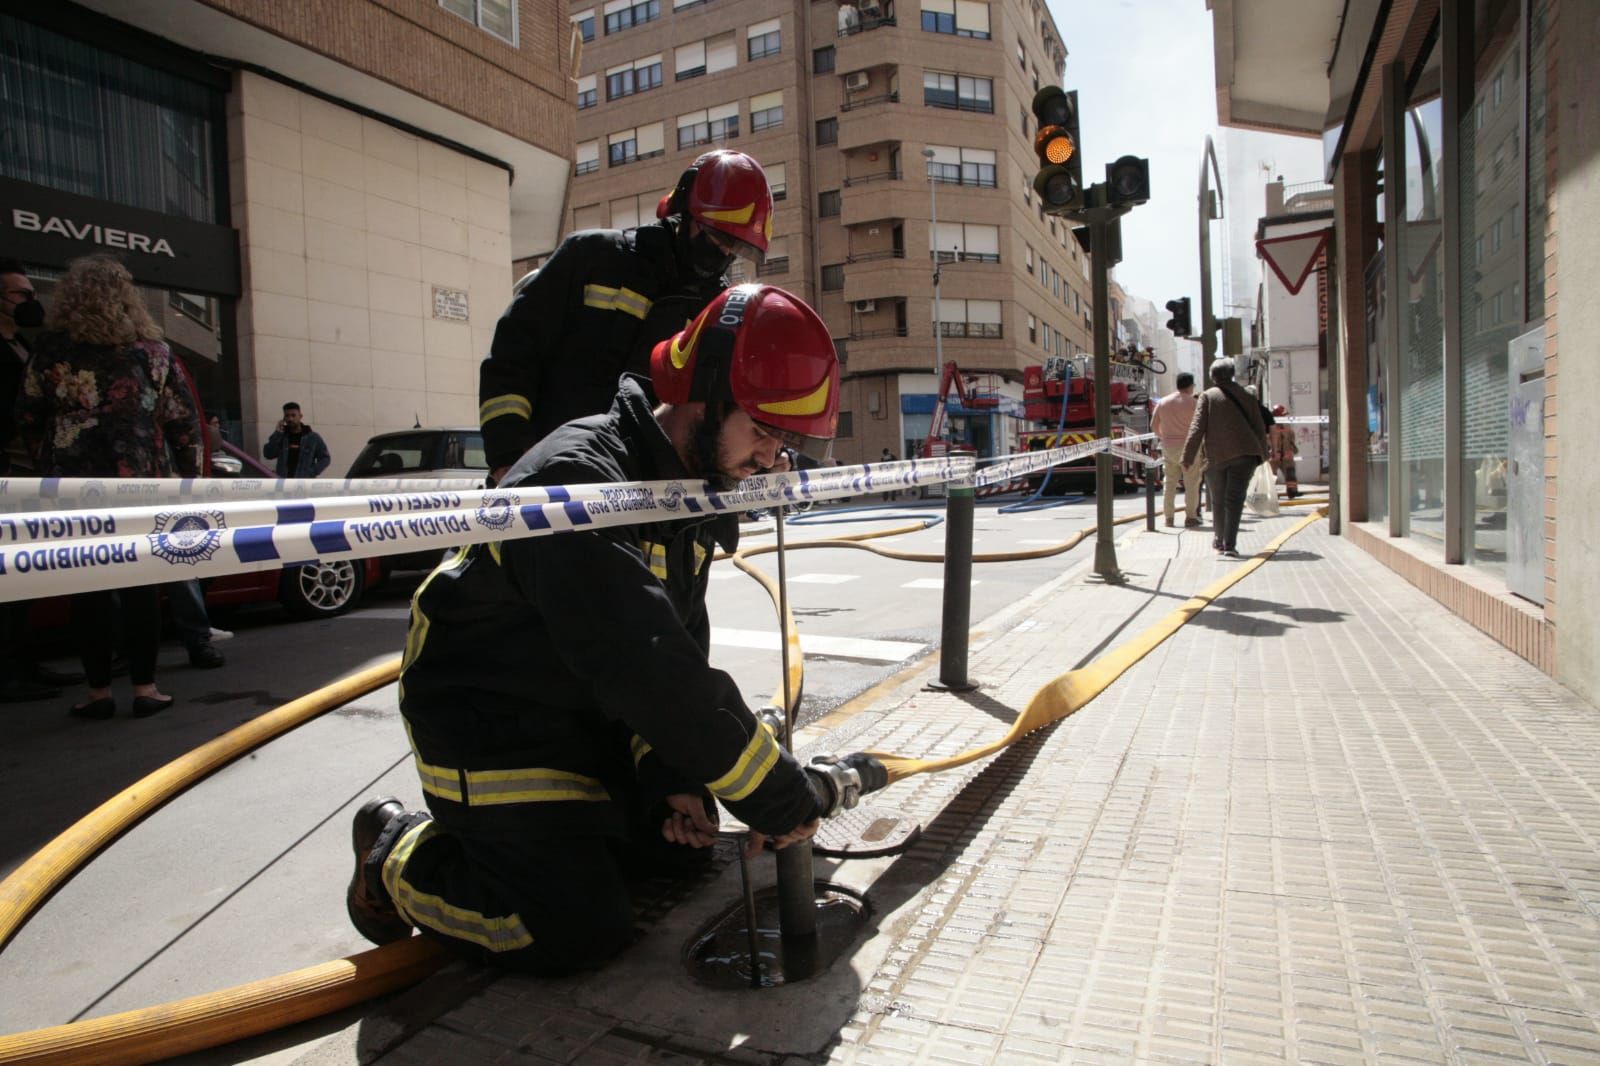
298,449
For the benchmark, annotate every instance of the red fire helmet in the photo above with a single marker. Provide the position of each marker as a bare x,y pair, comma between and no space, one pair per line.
726,191
765,350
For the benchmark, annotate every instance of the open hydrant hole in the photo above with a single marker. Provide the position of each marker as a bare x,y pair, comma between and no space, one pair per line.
719,954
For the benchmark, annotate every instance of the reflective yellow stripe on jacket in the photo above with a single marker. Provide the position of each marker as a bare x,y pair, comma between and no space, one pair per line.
508,404
750,769
497,934
489,788
608,299
655,557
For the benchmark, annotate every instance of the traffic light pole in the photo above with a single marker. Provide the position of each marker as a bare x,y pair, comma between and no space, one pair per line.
1102,222
1210,208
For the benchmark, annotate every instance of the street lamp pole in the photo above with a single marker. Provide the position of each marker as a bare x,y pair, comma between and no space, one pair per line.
933,242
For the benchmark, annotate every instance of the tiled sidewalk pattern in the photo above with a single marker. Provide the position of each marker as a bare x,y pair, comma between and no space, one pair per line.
1325,823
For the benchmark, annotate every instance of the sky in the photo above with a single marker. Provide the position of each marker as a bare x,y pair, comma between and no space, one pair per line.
1143,71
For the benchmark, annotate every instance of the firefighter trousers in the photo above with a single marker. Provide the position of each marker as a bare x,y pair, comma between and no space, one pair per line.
544,906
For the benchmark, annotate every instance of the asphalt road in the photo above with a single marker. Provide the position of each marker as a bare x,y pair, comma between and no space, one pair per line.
243,877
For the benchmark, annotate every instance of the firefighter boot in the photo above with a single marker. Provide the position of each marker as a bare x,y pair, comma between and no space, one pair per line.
376,827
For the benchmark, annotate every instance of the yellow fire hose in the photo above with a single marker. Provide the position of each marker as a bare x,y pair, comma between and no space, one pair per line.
1075,688
223,1016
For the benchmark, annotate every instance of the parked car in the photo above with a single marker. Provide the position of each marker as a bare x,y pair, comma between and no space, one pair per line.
450,452
422,452
313,590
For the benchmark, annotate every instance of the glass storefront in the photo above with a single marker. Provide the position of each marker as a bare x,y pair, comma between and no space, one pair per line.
1492,228
110,130
1377,413
82,120
1422,415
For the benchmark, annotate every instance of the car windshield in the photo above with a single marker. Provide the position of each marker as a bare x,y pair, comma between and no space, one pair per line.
404,453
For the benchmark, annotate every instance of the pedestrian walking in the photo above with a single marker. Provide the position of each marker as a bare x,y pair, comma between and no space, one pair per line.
606,297
1170,423
1227,423
543,796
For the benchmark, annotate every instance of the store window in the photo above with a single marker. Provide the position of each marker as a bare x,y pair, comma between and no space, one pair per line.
89,123
1503,205
1422,413
1374,307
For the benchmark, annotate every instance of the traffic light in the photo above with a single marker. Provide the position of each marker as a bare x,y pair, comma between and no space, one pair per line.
1179,322
1128,181
1059,182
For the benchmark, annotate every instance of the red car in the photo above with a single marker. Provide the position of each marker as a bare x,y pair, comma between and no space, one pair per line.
316,590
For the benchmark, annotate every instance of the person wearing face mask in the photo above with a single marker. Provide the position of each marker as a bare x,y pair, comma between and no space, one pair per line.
22,676
567,725
607,297
19,309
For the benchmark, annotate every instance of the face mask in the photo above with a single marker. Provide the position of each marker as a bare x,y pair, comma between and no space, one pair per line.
29,314
707,259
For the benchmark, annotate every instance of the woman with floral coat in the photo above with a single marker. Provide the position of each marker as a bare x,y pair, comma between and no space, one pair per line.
100,399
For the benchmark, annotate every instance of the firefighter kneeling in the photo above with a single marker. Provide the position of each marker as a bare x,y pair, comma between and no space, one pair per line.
568,729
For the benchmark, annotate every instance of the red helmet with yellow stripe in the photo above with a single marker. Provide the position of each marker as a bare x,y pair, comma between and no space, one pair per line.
726,191
765,350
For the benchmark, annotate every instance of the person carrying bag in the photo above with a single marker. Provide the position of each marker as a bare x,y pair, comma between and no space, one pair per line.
1235,441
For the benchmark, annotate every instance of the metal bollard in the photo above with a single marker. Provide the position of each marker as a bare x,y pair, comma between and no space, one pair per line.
1149,498
957,620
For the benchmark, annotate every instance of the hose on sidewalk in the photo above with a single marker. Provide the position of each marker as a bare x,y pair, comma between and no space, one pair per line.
1074,689
214,1018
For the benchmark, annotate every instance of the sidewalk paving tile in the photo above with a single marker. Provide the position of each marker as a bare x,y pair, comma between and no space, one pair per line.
1326,822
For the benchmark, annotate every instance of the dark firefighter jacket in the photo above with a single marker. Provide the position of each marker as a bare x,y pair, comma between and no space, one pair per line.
591,313
551,682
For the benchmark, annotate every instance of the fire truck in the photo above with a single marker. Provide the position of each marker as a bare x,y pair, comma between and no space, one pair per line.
1058,403
936,444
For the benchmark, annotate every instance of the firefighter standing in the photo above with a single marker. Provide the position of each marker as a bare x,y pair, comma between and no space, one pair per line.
1283,450
606,297
556,690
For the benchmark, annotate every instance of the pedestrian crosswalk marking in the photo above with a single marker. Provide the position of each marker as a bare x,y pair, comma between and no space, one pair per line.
821,579
927,583
817,644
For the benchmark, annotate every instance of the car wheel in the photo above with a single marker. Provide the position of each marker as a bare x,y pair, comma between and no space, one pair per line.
321,590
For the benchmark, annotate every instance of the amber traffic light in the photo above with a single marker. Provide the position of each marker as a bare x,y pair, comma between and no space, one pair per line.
1059,182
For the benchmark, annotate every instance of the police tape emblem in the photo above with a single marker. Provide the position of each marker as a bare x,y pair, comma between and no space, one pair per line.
188,537
498,512
94,493
672,495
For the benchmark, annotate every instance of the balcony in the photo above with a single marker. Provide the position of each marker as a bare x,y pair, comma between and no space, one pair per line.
868,179
857,103
872,257
864,17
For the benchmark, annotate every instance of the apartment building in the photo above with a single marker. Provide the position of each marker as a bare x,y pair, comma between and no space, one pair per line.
871,120
321,201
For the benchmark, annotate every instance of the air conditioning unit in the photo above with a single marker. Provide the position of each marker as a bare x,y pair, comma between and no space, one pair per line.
866,307
856,81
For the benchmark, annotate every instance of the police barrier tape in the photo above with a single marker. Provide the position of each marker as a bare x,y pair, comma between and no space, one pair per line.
55,554
55,494
1013,466
488,504
146,546
1302,420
